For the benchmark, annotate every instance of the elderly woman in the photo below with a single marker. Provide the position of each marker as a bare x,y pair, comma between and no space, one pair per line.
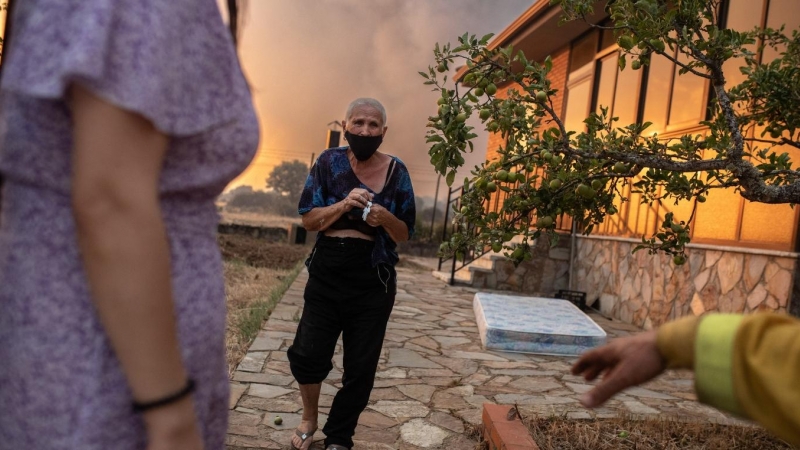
362,204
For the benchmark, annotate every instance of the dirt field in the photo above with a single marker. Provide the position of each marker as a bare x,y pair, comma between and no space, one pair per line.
256,275
265,220
261,254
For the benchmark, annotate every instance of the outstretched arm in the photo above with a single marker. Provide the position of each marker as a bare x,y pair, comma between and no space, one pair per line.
746,365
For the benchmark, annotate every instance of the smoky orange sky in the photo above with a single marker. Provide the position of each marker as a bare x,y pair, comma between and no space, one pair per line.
307,59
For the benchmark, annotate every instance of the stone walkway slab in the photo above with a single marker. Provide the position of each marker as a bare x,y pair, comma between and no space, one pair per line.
433,378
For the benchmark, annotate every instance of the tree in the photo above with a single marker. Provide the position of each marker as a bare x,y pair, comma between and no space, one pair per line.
288,178
233,193
262,202
549,171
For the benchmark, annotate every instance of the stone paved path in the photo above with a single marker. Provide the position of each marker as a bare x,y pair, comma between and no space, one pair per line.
432,380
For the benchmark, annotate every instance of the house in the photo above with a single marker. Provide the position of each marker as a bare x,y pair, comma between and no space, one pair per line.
743,255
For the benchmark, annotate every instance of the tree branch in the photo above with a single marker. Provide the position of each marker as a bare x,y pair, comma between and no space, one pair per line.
786,141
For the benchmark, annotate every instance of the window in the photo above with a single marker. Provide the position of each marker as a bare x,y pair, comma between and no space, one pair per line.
617,90
606,82
743,15
583,51
626,95
607,38
674,103
579,81
781,219
725,217
781,12
717,219
689,95
659,84
579,95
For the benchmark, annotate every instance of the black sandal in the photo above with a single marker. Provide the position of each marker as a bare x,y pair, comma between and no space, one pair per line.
336,447
303,436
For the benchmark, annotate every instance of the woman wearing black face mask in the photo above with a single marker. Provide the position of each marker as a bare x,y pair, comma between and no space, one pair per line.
362,204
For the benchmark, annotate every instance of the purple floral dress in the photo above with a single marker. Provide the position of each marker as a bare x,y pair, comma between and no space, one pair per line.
172,61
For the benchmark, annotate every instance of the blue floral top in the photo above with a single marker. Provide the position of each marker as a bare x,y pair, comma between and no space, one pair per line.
332,178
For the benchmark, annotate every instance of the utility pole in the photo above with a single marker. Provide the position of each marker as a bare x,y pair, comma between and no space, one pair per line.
435,199
334,135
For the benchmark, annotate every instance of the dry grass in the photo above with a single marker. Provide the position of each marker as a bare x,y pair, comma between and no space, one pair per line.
624,433
252,293
475,433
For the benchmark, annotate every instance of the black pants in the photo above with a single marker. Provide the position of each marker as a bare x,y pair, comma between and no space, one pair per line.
345,294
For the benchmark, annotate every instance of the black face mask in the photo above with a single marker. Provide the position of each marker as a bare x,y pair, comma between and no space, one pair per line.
363,147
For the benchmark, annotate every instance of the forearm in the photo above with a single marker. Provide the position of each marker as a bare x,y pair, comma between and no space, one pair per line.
320,218
126,257
676,342
746,365
765,371
395,228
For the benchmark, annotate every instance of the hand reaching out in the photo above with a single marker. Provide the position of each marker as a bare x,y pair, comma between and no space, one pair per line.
624,362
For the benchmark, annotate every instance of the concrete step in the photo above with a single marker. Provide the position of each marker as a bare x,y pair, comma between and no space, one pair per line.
482,268
487,261
462,277
484,262
478,269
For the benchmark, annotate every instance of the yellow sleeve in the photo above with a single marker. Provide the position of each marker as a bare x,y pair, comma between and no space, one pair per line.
766,372
746,365
676,340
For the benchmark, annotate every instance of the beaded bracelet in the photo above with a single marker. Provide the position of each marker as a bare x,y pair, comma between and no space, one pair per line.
139,407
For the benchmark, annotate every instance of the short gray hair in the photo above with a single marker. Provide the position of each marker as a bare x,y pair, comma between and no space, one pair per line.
366,101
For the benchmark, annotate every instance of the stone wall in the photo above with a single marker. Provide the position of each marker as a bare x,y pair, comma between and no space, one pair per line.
544,274
648,290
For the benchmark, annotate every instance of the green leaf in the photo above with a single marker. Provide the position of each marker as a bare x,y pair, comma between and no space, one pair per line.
548,63
450,177
622,61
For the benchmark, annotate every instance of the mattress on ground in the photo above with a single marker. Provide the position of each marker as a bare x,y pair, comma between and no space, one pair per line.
534,325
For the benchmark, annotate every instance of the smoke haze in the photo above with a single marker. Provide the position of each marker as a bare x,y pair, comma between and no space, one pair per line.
307,59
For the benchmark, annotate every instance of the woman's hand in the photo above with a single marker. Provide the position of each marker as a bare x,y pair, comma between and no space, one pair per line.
381,217
378,215
627,362
357,198
173,426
